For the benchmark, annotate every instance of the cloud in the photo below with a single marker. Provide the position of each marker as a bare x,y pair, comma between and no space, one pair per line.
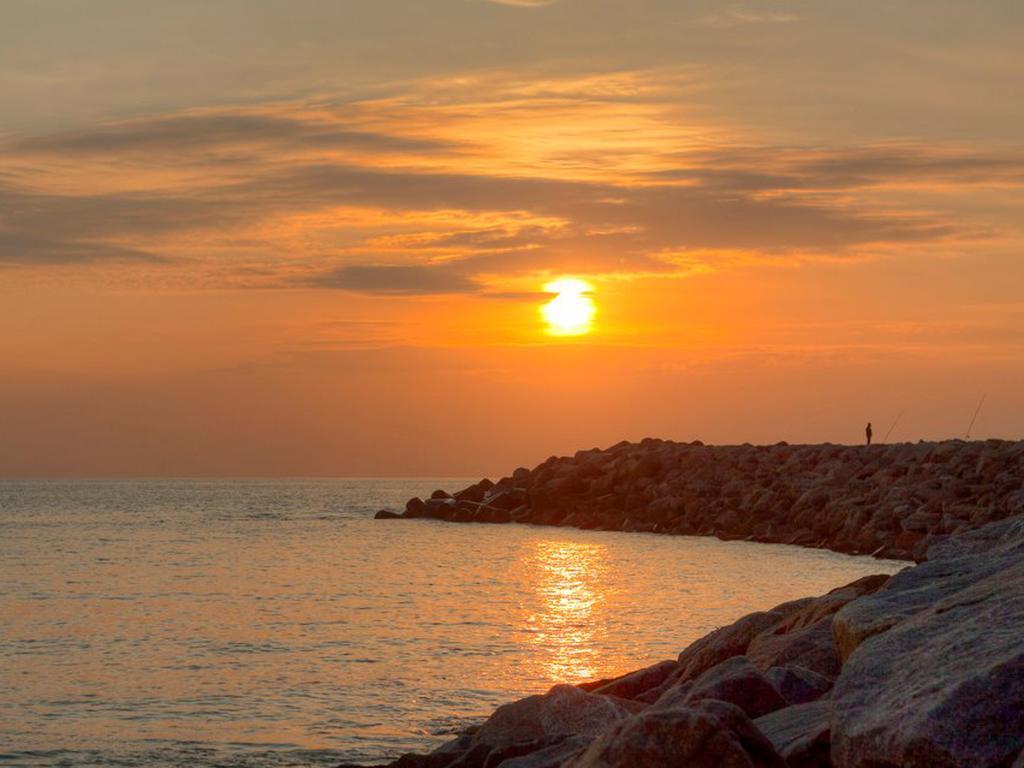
523,3
396,280
736,17
199,130
402,196
23,249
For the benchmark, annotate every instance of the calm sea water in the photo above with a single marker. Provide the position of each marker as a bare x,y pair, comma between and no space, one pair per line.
273,623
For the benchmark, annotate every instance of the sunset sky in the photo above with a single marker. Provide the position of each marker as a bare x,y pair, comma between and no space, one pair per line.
313,237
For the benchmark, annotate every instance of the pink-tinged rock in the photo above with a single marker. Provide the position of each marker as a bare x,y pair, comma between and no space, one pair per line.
564,710
710,734
735,681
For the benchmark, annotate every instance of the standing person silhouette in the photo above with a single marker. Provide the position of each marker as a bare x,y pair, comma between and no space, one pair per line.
868,432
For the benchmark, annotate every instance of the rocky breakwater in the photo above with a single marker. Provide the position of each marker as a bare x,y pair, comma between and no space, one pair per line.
923,669
892,501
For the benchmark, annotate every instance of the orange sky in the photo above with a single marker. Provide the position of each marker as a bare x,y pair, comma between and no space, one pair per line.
311,238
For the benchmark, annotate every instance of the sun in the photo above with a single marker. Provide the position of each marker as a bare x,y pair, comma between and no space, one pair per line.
572,311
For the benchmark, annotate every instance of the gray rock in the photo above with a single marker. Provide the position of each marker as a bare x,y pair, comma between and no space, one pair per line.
813,611
952,565
798,685
635,683
711,734
812,647
674,696
565,710
735,681
943,686
800,734
731,640
554,756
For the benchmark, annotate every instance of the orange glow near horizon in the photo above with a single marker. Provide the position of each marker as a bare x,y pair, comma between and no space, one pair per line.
405,242
571,312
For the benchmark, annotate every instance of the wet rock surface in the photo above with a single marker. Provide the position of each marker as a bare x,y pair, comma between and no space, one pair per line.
894,501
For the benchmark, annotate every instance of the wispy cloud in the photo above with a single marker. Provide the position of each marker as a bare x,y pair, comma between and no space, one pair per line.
524,3
468,193
738,16
416,279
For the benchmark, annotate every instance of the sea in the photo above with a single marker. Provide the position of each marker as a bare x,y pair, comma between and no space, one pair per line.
275,623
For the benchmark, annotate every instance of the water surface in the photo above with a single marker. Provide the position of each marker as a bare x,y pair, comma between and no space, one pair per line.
266,623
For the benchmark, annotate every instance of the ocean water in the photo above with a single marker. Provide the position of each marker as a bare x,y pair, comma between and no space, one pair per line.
274,623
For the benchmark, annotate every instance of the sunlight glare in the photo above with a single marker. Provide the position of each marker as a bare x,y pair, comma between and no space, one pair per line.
571,312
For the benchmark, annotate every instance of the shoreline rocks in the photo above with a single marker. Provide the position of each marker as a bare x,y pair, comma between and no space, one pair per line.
924,668
892,501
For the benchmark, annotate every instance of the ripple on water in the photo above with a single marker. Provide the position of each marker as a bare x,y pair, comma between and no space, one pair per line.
272,623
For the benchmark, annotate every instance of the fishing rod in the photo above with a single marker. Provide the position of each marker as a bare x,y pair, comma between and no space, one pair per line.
975,417
886,438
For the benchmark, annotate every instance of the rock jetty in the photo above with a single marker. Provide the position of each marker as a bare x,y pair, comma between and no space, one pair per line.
892,501
922,669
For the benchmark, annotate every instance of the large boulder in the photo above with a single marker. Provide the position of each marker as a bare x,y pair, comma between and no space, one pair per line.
942,684
565,710
810,647
731,640
710,734
735,681
439,509
813,611
800,734
634,684
475,493
553,756
415,507
953,564
798,685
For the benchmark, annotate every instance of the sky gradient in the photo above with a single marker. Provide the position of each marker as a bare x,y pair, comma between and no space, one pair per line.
311,238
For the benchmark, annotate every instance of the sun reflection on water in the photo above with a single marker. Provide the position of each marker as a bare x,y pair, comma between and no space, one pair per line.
567,581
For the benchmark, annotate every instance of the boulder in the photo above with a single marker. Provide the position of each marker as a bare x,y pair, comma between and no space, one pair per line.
554,756
521,476
475,493
635,683
800,734
952,565
439,758
731,640
386,514
507,499
415,507
564,711
798,685
735,681
941,684
439,509
710,734
812,647
812,611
